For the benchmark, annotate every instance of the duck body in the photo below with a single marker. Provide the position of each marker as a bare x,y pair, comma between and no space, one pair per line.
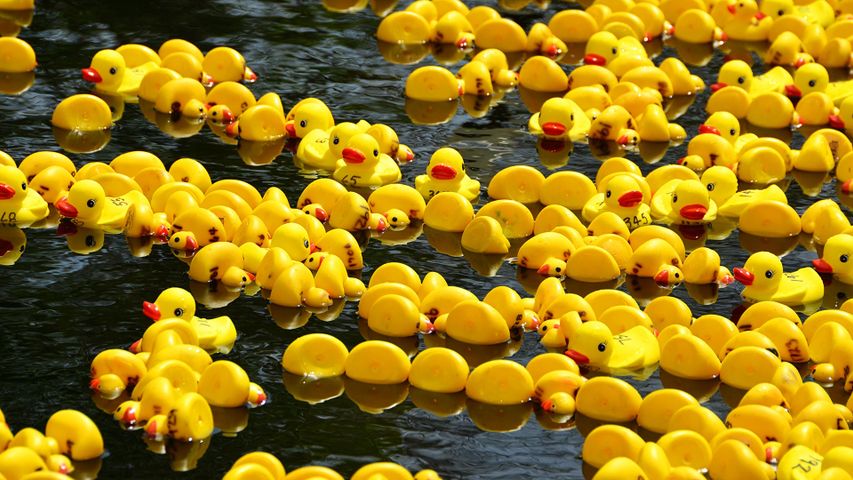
19,206
88,206
363,165
446,173
214,334
764,279
593,344
110,73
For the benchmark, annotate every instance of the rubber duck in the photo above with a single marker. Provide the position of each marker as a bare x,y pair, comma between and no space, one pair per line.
591,401
110,73
446,173
89,206
19,205
342,244
787,49
765,279
500,382
18,55
404,27
321,149
836,252
253,463
220,261
739,74
697,26
707,150
728,126
227,101
433,84
115,370
541,248
653,126
195,228
702,266
363,165
378,362
747,22
623,195
216,334
593,344
684,202
331,276
541,74
224,64
307,115
614,123
820,13
182,98
82,112
399,197
496,62
656,259
560,118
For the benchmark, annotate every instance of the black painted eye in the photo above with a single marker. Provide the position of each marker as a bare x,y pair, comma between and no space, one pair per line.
768,274
544,327
780,12
674,198
843,258
732,132
812,83
394,219
558,269
177,240
306,243
179,312
336,140
572,117
24,186
741,80
602,347
90,241
613,50
608,194
710,187
113,71
303,123
677,275
90,203
375,153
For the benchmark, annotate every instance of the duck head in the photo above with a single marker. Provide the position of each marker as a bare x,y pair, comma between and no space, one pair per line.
316,259
397,219
317,211
13,186
809,78
762,271
183,242
556,118
746,10
340,135
293,238
623,191
591,344
668,275
85,201
106,70
837,254
734,73
171,303
553,267
720,182
723,124
308,116
446,164
691,200
601,48
361,150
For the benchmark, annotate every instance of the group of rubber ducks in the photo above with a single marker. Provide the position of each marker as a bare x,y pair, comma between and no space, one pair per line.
71,442
167,383
265,466
19,59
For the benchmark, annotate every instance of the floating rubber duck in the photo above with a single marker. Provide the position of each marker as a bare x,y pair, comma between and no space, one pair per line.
656,259
89,206
684,202
623,195
182,98
220,261
19,206
321,149
18,55
227,101
702,266
307,115
363,165
836,253
765,280
83,113
592,344
707,150
214,335
560,118
110,73
747,22
224,64
446,173
739,74
614,123
727,126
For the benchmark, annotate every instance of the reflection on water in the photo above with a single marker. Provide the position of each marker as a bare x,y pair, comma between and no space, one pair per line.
60,308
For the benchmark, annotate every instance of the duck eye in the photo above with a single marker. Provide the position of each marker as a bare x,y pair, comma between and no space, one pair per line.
24,186
303,123
375,153
613,50
768,274
843,258
558,269
710,187
608,194
393,219
602,347
741,80
306,243
674,198
572,117
812,83
732,132
90,241
179,312
90,203
113,71
336,140
544,327
677,275
780,12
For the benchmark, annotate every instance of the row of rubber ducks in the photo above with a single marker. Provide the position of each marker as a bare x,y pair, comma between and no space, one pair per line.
167,383
69,438
265,466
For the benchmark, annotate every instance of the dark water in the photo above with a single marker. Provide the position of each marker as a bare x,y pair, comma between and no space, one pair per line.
60,309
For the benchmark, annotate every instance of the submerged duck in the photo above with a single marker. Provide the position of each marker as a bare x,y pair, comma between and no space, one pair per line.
593,344
215,334
765,279
19,205
363,165
82,113
110,73
446,173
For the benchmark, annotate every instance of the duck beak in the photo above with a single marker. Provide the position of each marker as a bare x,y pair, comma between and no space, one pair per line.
553,129
594,59
6,191
623,140
717,86
321,214
709,129
847,186
192,244
151,310
231,129
135,347
578,357
547,405
65,208
836,122
443,172
744,276
693,211
821,265
228,117
731,8
290,128
249,76
352,155
760,15
313,248
631,199
91,75
95,384
552,50
543,270
792,91
662,278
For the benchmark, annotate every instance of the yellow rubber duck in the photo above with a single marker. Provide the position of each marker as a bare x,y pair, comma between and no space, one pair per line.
224,64
89,206
727,126
721,183
18,56
115,370
738,73
182,98
836,253
684,202
363,165
307,115
820,13
702,266
707,150
765,279
560,118
623,195
500,382
256,464
227,101
615,123
260,123
656,259
747,22
109,72
83,113
446,173
214,334
399,197
592,344
19,205
220,261
195,228
696,26
787,50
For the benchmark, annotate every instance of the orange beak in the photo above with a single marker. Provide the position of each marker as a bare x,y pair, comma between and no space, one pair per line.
717,86
6,192
151,310
631,199
65,208
821,265
553,129
693,212
744,276
709,129
443,172
594,59
352,155
91,75
578,357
